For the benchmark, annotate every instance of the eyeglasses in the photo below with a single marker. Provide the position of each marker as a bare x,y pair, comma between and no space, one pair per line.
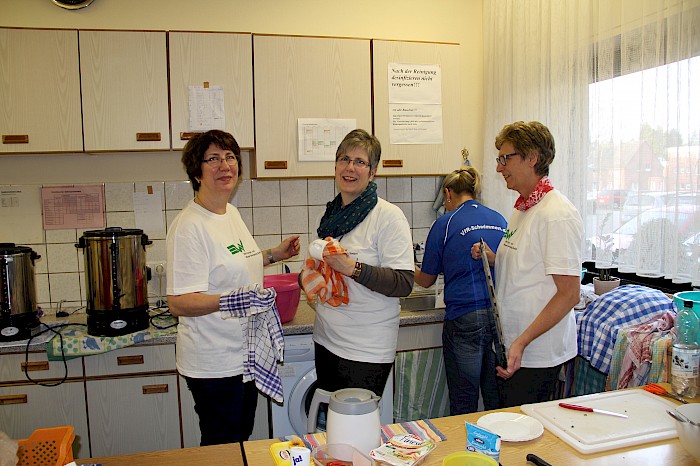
231,160
502,159
343,161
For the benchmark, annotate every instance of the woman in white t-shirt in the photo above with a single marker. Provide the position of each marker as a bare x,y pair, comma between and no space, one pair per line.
355,343
538,266
211,257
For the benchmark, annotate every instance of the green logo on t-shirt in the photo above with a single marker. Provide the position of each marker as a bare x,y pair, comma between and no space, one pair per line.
236,248
508,234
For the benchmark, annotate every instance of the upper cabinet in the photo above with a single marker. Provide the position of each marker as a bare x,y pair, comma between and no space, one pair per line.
418,159
39,91
306,77
124,78
212,59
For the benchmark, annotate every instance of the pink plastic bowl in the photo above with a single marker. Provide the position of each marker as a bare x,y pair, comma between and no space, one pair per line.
288,292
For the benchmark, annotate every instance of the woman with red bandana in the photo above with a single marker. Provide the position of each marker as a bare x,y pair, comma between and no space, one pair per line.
538,267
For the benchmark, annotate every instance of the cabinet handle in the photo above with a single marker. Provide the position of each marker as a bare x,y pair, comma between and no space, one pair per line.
392,163
35,366
187,135
129,360
148,136
275,164
13,399
15,139
158,388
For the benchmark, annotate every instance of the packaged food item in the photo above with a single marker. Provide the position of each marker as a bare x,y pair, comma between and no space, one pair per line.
483,441
403,450
340,454
280,451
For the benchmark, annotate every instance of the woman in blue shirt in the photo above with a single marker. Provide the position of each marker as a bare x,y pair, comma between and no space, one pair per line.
467,335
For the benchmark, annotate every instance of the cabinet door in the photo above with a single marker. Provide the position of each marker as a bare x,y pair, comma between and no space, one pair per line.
306,77
125,90
133,415
39,91
219,59
419,159
131,360
38,367
26,408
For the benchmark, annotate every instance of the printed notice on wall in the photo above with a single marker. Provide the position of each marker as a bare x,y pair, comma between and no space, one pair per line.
319,137
73,207
415,103
148,213
20,215
206,106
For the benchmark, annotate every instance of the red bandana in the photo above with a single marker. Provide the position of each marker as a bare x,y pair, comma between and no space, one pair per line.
543,187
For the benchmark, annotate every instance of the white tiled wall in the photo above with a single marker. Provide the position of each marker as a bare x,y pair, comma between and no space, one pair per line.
272,210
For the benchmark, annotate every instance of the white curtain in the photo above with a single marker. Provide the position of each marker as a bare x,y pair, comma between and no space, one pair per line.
618,84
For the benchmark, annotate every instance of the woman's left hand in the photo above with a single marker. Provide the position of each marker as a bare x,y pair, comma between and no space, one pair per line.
287,248
515,357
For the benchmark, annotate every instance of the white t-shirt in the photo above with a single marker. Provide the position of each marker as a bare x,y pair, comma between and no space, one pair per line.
211,254
542,241
366,329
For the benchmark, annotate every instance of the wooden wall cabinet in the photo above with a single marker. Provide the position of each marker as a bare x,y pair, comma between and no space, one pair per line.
306,77
124,76
419,159
218,59
39,91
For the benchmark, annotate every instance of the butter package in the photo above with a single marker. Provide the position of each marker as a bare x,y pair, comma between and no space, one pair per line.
280,451
403,450
483,441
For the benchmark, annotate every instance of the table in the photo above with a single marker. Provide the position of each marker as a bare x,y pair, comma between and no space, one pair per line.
229,454
548,447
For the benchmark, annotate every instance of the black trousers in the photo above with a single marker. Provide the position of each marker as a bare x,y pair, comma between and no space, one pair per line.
334,372
530,385
225,407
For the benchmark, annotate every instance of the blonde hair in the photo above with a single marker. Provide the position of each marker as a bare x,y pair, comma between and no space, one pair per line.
465,180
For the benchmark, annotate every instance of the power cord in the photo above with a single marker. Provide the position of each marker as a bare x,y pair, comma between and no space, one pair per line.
63,355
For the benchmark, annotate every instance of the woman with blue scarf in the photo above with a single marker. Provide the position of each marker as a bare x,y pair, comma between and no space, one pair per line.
355,343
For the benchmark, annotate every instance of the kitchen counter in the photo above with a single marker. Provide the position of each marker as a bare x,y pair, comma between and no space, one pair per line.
303,323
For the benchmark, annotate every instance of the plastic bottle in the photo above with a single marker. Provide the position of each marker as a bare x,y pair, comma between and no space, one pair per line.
685,362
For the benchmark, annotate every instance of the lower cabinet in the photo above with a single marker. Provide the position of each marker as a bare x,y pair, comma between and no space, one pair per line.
24,408
133,415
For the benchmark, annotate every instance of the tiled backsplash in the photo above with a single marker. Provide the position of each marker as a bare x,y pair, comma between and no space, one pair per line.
272,210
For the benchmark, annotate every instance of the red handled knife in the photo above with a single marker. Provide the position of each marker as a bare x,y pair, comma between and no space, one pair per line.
591,410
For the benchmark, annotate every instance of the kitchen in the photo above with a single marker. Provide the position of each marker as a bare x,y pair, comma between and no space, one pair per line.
281,206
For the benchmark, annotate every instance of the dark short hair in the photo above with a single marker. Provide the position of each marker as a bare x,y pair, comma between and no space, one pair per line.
362,139
527,138
193,153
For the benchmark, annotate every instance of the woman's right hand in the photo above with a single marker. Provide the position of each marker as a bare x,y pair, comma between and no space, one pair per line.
476,253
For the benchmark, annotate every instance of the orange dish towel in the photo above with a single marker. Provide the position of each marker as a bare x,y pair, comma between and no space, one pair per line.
321,281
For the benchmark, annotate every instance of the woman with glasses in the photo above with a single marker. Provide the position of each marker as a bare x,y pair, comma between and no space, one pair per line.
355,343
538,268
467,335
213,267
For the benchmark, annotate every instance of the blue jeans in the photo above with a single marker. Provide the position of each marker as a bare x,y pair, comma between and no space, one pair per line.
225,407
470,362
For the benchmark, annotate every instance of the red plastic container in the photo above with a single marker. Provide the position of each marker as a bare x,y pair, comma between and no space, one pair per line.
288,293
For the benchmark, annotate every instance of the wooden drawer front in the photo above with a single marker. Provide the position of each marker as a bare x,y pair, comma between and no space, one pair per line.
39,368
134,359
45,407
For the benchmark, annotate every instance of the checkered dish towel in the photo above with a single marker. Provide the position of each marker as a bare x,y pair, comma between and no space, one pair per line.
323,282
260,322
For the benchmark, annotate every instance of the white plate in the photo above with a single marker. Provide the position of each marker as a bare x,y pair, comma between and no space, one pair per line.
512,427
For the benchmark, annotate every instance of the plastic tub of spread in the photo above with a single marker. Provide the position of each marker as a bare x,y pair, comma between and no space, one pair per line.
468,458
324,455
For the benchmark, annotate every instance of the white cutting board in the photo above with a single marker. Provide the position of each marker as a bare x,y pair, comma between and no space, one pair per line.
594,432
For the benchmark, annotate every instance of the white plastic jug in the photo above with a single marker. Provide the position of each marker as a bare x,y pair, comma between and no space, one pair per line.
353,417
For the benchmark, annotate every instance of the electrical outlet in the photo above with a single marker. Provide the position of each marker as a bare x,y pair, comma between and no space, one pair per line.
157,283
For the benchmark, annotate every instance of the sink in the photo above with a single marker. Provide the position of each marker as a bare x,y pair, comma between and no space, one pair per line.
418,303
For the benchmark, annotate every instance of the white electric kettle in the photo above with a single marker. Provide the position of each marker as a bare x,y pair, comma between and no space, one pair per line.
353,417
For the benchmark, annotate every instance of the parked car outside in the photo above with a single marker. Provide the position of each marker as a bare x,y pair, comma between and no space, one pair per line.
611,197
685,218
636,203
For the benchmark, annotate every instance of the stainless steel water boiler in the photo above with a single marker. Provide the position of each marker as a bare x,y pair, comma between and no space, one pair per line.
116,279
19,316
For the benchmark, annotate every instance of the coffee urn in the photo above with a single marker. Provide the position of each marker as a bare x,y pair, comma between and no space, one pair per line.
19,316
116,279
